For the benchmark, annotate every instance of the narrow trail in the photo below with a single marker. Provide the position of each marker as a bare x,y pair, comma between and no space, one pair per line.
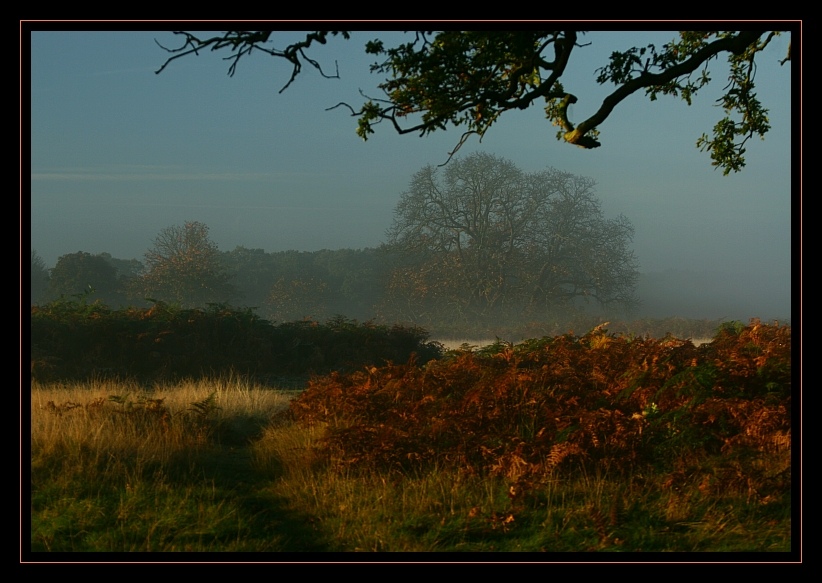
230,467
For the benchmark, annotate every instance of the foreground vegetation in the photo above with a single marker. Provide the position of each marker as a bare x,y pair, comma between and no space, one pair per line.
565,444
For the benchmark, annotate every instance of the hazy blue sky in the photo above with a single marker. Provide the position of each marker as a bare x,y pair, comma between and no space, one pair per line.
119,153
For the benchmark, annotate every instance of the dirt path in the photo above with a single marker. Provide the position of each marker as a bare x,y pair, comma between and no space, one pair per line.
273,520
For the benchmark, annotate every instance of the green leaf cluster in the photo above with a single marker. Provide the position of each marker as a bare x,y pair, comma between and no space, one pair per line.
467,79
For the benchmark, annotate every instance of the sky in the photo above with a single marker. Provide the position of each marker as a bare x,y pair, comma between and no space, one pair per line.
119,153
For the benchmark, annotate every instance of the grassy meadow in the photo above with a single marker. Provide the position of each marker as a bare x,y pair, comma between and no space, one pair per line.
366,461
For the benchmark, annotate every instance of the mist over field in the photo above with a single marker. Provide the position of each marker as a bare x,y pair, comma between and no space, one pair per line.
387,291
119,153
714,295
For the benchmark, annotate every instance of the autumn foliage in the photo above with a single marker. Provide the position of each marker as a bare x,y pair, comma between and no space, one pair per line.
529,411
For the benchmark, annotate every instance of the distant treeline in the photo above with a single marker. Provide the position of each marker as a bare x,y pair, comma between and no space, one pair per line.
286,286
278,286
317,286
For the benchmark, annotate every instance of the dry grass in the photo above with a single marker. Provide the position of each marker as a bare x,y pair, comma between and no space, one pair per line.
76,411
458,343
119,467
100,428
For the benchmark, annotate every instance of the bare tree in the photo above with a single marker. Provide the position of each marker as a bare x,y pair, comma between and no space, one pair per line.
481,235
184,267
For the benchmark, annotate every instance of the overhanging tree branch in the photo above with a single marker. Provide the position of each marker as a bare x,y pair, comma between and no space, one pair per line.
469,78
242,43
735,45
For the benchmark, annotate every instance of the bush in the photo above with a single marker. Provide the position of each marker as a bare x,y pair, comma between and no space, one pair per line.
527,411
76,341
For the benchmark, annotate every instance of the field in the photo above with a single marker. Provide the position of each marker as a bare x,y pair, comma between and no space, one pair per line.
597,443
457,343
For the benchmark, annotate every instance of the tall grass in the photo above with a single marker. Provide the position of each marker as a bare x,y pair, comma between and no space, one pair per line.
445,509
115,467
220,465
